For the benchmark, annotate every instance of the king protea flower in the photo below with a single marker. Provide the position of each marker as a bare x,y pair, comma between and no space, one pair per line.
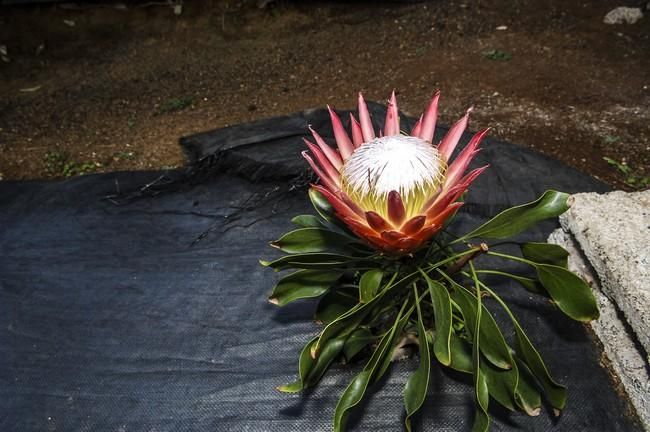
394,190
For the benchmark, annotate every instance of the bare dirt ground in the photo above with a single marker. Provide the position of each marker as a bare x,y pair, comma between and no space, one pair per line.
90,89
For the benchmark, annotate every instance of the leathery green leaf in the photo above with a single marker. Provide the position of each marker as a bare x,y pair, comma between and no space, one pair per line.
327,212
316,260
514,220
545,253
416,387
344,324
302,284
333,304
305,362
306,240
502,384
357,388
350,398
525,350
527,396
369,284
555,392
306,221
513,388
321,205
351,319
442,315
481,418
330,351
358,340
571,294
388,358
461,354
494,345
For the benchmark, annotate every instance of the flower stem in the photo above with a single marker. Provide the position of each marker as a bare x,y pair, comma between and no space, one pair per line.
498,299
453,257
458,265
510,257
502,243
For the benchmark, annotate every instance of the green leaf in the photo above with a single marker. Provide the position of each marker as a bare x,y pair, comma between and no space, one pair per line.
555,392
330,351
502,384
350,398
571,294
513,389
527,396
388,358
351,319
415,390
358,340
305,363
344,324
517,219
369,284
302,284
322,206
313,261
481,417
442,314
357,388
306,240
461,354
306,221
545,253
326,211
529,284
333,304
494,345
482,394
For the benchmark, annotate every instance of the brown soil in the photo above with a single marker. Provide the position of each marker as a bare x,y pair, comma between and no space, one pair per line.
101,89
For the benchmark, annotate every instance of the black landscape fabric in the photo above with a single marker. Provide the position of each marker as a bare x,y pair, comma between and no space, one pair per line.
134,301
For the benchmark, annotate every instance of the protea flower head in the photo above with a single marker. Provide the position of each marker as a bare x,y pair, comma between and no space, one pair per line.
393,190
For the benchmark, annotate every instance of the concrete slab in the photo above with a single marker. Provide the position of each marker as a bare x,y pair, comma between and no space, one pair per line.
620,345
613,231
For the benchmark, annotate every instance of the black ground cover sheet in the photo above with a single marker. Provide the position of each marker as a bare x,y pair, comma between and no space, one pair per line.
134,301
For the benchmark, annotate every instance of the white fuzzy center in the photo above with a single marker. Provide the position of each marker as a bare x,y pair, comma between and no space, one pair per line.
408,165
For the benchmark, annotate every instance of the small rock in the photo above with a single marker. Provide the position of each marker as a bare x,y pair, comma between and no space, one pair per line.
623,15
502,27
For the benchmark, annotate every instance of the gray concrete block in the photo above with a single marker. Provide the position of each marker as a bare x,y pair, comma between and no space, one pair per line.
628,361
613,231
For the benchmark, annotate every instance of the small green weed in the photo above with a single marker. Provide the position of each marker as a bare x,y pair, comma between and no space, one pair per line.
611,139
57,163
633,178
124,155
175,104
497,55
